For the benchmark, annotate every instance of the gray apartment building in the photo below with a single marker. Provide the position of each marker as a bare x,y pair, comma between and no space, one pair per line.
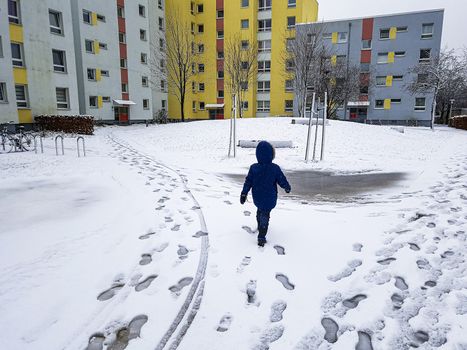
385,48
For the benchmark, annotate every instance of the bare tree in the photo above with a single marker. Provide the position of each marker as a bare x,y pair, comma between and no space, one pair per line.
302,59
240,66
176,61
441,76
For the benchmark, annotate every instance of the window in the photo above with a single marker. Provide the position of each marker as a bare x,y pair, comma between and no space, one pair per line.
161,44
92,74
292,3
144,58
244,85
245,3
125,87
21,96
291,22
245,44
396,100
420,104
402,29
100,18
14,12
220,74
264,86
425,55
105,73
62,98
220,34
289,85
106,99
3,95
200,48
264,66
264,5
264,25
200,8
366,44
364,90
263,106
244,105
161,24
399,53
397,77
379,104
290,44
123,63
17,55
142,35
220,54
327,35
364,67
192,8
142,10
120,12
220,94
87,15
201,106
427,30
93,101
342,37
193,106
201,67
103,46
163,105
383,57
89,44
220,14
59,61
381,81
162,85
384,34
55,21
289,65
201,87
145,104
245,23
289,105
121,38
1,47
200,28
264,46
144,81
159,4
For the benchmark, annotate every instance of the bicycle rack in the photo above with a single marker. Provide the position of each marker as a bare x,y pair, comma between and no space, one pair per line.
35,143
84,146
56,144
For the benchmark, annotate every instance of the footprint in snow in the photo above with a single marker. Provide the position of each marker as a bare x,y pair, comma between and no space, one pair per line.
386,261
228,202
224,323
145,283
111,292
247,213
357,247
353,302
175,228
331,328
279,249
168,219
245,262
182,252
251,292
347,271
248,229
285,281
364,341
146,259
96,342
160,248
277,309
400,283
269,336
147,235
200,234
397,301
126,334
177,288
414,246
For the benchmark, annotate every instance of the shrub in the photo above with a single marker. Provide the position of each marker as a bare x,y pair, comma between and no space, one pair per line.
459,122
79,124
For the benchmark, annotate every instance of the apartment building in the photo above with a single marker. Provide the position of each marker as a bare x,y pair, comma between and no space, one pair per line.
37,60
265,22
113,41
385,48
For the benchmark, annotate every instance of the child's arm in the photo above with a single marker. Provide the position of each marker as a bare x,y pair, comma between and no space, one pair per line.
246,187
282,180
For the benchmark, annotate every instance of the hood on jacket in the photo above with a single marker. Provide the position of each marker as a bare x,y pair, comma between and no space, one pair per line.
265,152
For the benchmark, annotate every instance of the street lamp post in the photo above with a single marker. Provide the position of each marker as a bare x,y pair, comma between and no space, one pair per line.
450,109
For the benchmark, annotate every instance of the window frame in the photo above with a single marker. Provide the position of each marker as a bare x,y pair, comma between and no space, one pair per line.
14,19
244,3
381,30
65,104
58,68
145,101
89,14
87,41
265,28
3,92
91,74
290,108
418,108
292,3
427,36
143,34
18,60
376,104
264,88
265,106
244,23
22,104
54,29
291,26
96,105
144,58
425,60
143,12
264,5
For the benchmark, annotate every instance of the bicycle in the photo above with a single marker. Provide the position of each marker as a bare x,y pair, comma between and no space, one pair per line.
21,141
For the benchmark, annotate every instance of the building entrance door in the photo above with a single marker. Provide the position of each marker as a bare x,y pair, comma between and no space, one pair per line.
121,114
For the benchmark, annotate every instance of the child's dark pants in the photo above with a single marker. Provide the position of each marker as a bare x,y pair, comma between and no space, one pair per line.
262,217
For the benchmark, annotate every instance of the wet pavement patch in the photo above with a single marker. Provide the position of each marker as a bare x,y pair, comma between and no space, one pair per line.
325,186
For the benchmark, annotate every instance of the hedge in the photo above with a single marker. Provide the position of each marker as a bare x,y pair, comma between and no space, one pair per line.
77,124
459,122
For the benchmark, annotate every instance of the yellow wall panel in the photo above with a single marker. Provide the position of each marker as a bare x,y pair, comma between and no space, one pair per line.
334,37
16,33
94,19
98,75
20,75
393,33
334,60
387,103
389,80
99,102
25,116
391,57
97,48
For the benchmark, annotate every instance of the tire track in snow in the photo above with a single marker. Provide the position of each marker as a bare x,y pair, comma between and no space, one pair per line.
191,303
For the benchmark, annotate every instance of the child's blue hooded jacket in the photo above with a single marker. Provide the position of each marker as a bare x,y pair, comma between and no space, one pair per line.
264,177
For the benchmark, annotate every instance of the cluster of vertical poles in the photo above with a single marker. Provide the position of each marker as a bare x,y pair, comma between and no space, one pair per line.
315,108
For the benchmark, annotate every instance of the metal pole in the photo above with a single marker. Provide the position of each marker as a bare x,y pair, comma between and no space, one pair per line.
235,127
325,116
316,129
433,113
304,105
307,152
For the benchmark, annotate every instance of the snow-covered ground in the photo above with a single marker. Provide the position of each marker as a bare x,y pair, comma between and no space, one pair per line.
143,244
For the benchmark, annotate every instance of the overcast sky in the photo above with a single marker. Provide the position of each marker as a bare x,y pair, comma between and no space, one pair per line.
455,15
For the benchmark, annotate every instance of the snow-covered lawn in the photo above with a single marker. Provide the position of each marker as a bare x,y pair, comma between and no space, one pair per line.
144,244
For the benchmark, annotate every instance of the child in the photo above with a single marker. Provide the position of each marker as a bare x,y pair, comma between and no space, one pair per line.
264,177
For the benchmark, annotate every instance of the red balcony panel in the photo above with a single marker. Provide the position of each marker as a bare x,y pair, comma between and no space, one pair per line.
220,65
363,98
366,56
367,28
123,52
124,75
125,96
364,78
220,84
121,25
219,4
220,24
121,3
220,44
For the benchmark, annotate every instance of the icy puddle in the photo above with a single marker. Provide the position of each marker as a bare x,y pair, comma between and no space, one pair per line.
324,186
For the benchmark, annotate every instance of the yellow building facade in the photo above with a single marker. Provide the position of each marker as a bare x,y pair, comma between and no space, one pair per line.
266,22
